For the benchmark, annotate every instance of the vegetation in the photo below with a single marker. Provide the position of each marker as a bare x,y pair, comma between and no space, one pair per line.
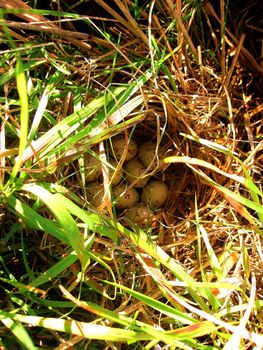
183,74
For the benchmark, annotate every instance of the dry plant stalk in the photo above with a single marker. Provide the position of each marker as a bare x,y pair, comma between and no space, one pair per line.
41,23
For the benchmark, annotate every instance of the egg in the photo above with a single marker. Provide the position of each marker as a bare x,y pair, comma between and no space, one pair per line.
92,167
155,194
94,193
149,157
125,196
134,170
116,179
139,215
119,145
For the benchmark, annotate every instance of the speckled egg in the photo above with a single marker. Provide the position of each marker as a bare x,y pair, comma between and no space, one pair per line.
139,215
125,196
94,193
149,157
92,167
116,179
155,194
119,145
134,170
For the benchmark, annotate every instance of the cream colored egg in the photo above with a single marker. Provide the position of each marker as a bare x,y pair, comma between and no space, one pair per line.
94,193
139,215
125,196
119,145
155,194
92,167
134,172
149,157
115,177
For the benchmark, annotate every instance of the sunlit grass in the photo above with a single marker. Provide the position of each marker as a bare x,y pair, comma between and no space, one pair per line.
76,275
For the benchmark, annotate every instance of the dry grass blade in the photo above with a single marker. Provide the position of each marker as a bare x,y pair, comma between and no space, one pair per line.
176,14
249,59
234,62
19,4
41,23
130,24
223,43
46,27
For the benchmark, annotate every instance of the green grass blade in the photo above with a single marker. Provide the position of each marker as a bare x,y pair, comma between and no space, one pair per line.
11,73
42,103
212,299
33,220
254,192
84,141
19,332
68,125
177,315
95,222
22,92
23,307
134,324
24,255
142,241
56,205
83,329
162,58
20,286
214,263
55,270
